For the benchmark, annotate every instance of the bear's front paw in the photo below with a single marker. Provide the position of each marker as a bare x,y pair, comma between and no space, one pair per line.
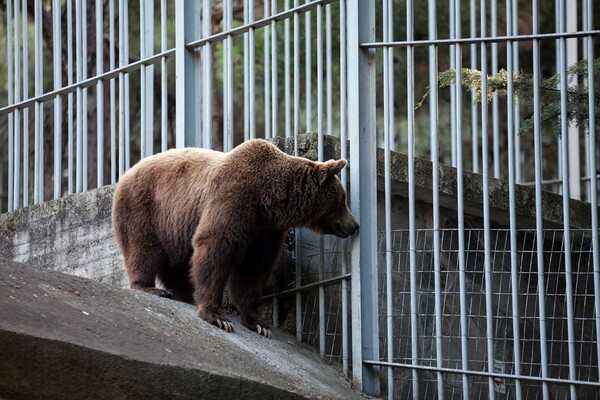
216,319
264,331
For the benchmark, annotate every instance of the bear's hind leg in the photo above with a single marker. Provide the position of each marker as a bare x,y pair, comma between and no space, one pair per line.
176,279
142,267
247,281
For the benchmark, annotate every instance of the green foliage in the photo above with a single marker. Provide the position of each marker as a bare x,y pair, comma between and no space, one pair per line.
549,93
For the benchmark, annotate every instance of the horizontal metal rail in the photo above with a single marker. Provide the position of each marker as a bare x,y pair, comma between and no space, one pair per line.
261,23
325,282
482,40
89,82
483,373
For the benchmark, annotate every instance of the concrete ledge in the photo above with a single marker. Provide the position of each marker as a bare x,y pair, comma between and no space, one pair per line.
72,234
552,204
63,336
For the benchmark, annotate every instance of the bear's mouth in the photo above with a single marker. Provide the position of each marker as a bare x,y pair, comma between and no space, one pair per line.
345,231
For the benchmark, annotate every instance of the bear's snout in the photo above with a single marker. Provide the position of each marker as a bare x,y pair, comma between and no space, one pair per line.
353,228
347,228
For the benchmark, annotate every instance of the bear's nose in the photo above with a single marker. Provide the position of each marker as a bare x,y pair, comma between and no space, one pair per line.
353,229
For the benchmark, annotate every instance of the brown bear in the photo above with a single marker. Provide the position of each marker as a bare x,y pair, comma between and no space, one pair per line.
198,219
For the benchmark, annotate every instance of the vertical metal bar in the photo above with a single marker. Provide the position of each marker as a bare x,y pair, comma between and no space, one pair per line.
464,333
70,166
121,90
322,330
99,94
57,59
206,76
187,123
228,77
361,126
143,98
286,73
474,110
246,78
146,78
113,101
308,69
298,266
487,260
410,104
539,225
17,132
38,193
516,105
25,75
125,104
10,23
79,61
495,101
329,67
24,81
344,174
571,16
564,126
453,133
592,171
434,151
388,114
251,74
267,72
164,90
514,263
84,109
274,69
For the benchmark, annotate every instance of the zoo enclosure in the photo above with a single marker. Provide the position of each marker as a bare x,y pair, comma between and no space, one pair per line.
115,92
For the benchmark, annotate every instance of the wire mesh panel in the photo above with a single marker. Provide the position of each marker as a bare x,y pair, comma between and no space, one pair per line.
502,336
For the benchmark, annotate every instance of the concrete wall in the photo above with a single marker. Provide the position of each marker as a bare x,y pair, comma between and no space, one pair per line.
72,234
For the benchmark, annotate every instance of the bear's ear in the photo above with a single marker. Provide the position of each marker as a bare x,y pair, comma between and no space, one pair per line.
329,169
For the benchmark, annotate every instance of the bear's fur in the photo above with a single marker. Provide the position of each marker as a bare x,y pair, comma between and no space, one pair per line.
199,219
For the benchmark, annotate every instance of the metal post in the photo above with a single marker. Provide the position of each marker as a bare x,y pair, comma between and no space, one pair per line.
388,118
206,77
227,77
344,178
361,126
38,170
164,121
541,274
9,55
70,182
571,16
433,128
512,161
147,78
187,123
592,171
99,95
488,269
57,58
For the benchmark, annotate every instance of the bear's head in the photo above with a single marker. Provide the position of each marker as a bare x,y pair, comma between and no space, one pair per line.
331,213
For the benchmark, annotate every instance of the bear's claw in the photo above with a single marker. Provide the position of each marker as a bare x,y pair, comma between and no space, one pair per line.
225,325
266,332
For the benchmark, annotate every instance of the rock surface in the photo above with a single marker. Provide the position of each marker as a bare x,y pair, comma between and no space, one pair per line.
63,336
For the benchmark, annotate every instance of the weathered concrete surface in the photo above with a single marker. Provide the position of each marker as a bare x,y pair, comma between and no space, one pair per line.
72,234
63,336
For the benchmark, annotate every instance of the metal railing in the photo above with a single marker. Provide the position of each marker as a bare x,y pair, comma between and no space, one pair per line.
93,86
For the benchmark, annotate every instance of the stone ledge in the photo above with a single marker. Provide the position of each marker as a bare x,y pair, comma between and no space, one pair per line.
64,336
552,204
